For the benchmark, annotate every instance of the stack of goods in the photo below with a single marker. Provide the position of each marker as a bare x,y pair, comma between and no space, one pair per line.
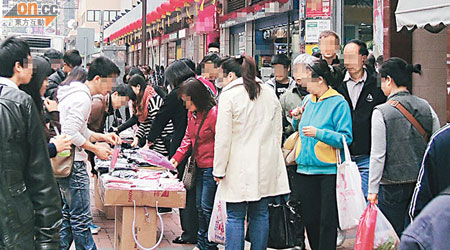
142,169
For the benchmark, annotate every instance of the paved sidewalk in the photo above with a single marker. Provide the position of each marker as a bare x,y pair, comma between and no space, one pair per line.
105,238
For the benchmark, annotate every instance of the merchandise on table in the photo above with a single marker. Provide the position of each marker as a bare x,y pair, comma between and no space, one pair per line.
132,172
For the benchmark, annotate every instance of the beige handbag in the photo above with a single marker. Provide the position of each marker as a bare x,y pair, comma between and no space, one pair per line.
289,148
62,166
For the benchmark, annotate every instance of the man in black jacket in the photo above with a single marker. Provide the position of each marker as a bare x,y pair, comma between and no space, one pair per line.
329,47
360,90
71,59
30,208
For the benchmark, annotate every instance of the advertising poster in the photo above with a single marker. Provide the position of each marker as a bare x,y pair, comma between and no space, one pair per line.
318,8
313,29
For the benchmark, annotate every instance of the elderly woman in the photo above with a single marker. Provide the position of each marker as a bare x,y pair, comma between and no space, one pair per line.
290,100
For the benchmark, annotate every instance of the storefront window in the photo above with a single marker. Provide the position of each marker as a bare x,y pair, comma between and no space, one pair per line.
358,21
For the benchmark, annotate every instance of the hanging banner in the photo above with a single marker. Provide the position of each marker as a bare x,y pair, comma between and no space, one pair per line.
378,27
206,20
318,8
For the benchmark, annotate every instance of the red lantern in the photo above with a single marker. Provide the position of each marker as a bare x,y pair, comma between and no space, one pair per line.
160,12
166,8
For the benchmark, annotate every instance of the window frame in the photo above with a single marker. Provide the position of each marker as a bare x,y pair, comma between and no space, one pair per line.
89,13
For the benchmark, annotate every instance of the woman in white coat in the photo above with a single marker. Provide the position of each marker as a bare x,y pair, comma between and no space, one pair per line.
248,161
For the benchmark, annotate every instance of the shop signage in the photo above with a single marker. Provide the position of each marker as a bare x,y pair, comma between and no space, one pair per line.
173,36
241,42
318,8
182,33
302,4
314,27
378,36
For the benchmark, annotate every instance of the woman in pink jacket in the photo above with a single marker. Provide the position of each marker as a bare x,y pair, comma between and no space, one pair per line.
200,103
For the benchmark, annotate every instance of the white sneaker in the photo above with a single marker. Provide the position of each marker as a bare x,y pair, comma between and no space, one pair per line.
340,237
94,228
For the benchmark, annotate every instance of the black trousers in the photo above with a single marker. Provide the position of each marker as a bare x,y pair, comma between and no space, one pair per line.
317,194
188,215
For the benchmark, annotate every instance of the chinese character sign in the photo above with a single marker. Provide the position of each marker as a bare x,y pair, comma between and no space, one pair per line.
318,8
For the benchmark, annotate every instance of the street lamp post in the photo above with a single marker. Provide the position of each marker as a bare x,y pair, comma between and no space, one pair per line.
144,33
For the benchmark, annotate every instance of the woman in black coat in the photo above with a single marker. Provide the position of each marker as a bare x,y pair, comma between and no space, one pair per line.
174,110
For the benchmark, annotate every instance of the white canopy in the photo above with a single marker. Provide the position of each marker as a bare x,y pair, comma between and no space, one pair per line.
411,13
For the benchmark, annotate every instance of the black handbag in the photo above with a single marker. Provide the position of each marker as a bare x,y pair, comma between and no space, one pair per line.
285,225
191,169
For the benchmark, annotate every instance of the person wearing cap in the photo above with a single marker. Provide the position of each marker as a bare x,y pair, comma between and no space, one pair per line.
281,81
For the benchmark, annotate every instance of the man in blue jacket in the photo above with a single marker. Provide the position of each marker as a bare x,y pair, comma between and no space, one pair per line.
434,173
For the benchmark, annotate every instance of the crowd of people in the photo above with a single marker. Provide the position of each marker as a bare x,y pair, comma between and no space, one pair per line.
235,125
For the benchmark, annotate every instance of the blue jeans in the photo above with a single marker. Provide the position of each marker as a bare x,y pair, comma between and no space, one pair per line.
363,162
393,201
205,193
76,210
258,219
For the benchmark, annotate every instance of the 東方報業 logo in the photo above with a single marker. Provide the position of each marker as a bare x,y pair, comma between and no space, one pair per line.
46,13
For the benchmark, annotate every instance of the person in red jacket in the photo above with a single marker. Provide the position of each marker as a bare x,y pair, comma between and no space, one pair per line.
200,103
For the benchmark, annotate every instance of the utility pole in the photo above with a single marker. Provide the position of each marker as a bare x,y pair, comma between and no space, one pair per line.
144,33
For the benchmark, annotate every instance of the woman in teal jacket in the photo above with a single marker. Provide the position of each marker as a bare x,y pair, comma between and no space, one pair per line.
325,119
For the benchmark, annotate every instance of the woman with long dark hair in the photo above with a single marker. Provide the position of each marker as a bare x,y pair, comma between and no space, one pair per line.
78,74
36,89
248,161
201,106
174,110
397,145
145,108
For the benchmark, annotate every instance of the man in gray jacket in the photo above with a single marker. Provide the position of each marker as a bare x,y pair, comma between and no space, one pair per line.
75,101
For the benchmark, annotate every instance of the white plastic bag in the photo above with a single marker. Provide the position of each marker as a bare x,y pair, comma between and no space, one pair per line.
350,198
385,236
216,229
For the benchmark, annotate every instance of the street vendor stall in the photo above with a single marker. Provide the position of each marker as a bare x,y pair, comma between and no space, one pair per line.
136,183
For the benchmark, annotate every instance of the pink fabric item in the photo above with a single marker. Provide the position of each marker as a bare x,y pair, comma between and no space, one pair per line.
204,156
208,84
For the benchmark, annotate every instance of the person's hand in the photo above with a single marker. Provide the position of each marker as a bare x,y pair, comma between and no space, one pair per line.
135,142
112,138
102,151
62,142
373,198
297,113
50,105
218,180
174,162
309,131
149,144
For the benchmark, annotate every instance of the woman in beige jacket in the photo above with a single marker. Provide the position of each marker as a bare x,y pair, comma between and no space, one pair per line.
248,161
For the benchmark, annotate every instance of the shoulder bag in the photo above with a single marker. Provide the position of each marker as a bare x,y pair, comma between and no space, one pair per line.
62,166
410,118
191,169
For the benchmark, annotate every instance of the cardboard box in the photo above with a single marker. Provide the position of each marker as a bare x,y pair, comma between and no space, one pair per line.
107,210
119,197
145,227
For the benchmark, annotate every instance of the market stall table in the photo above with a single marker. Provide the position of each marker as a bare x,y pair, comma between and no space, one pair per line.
136,182
146,216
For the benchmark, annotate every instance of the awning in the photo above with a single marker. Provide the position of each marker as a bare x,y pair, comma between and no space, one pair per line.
420,13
